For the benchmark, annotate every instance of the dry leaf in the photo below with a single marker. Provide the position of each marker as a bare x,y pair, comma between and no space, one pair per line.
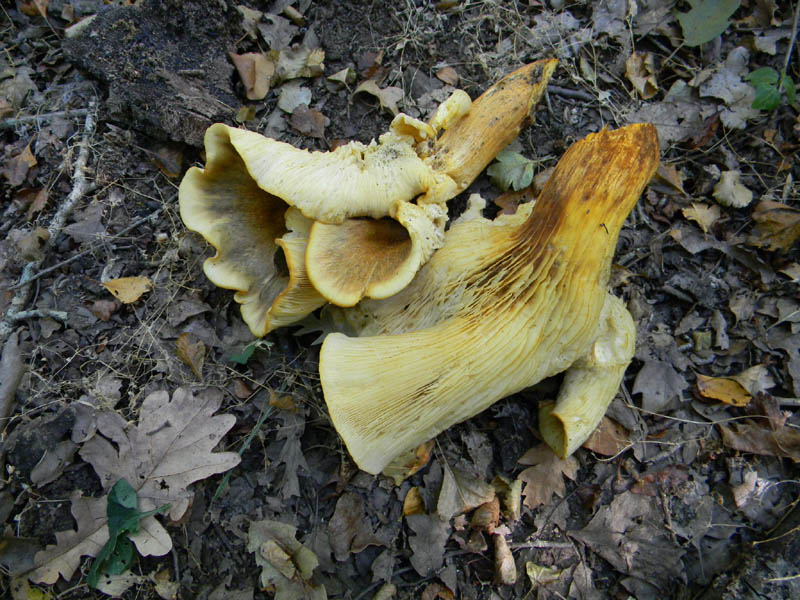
128,289
349,530
730,192
35,199
169,159
510,494
170,448
427,545
609,439
723,389
505,570
388,97
413,504
755,379
297,61
546,477
285,563
541,575
448,75
461,493
309,122
30,245
434,591
752,437
191,353
103,309
34,8
778,226
285,402
408,463
705,215
16,169
640,69
256,72
670,175
65,556
346,76
486,516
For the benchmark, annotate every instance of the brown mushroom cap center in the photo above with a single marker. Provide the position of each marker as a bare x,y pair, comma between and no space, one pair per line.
356,255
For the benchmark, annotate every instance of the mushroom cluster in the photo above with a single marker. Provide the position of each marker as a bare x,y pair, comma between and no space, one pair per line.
295,229
443,323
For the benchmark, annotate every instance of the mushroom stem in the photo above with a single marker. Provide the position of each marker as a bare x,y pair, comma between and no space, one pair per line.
590,384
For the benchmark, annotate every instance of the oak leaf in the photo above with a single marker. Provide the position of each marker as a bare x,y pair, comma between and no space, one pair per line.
128,289
546,476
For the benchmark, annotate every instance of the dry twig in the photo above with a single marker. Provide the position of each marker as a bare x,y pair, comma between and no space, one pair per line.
80,185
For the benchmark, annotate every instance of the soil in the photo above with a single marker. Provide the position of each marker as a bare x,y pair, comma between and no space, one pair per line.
700,501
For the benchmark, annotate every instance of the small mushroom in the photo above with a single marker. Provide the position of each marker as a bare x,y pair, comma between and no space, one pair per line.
378,210
502,305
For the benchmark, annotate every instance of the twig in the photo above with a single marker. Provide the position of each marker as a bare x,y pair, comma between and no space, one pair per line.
792,39
570,93
14,121
38,313
79,186
90,249
11,370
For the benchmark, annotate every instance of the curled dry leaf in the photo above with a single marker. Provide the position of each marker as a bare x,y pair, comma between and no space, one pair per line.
729,191
448,75
756,438
388,96
285,563
461,493
256,72
505,570
191,353
308,121
413,503
128,289
640,69
539,574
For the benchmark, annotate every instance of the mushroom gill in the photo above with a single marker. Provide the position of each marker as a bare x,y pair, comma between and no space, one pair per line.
499,307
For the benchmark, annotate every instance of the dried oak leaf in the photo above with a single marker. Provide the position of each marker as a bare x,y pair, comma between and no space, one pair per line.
545,478
704,215
388,96
609,439
285,563
461,493
427,545
349,529
171,448
640,69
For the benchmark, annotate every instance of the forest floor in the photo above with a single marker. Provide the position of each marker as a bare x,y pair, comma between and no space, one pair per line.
690,488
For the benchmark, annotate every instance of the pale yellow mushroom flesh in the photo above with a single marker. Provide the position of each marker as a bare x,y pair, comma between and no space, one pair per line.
498,308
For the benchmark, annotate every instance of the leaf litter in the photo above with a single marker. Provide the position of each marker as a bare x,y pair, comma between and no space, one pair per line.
714,282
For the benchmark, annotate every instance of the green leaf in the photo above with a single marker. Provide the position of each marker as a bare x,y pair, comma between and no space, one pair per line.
244,355
706,20
767,98
121,558
511,170
762,76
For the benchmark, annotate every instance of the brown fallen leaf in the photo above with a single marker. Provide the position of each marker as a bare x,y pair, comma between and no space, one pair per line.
285,402
408,463
486,516
670,175
705,215
103,309
778,226
751,436
723,389
461,493
35,199
30,245
729,191
546,477
191,353
505,570
427,543
128,289
256,71
413,504
309,122
609,439
436,591
169,159
16,169
510,494
349,530
448,75
540,575
388,97
34,8
640,69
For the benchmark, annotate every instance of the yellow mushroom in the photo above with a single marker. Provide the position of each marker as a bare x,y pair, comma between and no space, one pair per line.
502,305
378,210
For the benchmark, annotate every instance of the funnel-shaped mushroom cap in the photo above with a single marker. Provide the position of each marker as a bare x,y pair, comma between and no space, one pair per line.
498,308
245,224
493,121
373,258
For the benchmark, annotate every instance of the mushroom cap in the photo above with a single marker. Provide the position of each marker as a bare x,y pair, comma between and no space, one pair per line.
373,258
498,308
493,121
242,222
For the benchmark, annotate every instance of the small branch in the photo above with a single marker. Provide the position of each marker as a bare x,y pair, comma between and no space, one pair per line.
90,249
570,93
39,313
79,187
792,39
14,121
11,370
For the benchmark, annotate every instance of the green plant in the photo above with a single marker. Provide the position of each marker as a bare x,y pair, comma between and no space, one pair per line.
248,351
511,170
123,518
768,84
